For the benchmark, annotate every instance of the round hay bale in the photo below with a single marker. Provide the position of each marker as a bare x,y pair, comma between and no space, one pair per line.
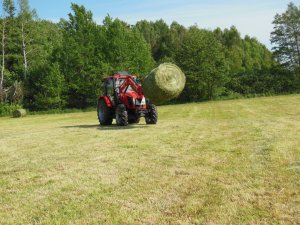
19,113
164,83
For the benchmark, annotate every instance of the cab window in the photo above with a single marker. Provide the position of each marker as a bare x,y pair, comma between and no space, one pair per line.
109,87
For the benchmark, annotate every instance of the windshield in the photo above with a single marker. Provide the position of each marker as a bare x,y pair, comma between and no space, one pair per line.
120,81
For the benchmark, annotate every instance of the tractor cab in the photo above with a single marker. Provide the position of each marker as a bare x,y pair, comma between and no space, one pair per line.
126,89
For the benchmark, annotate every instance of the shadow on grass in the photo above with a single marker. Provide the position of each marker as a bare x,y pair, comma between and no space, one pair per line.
111,127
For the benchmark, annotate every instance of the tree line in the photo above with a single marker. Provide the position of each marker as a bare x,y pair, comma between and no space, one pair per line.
46,65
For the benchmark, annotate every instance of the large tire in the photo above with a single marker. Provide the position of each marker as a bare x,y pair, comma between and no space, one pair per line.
104,113
152,116
121,115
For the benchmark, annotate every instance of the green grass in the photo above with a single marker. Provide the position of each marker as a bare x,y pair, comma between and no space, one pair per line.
227,162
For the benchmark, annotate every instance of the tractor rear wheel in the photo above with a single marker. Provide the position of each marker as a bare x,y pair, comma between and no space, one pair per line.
104,113
121,115
151,117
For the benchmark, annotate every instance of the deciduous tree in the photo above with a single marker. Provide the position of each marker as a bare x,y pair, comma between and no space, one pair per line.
286,37
203,61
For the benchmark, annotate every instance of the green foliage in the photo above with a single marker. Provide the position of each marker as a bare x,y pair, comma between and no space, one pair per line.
125,48
163,40
24,8
246,60
45,82
47,43
13,55
286,37
202,59
7,109
9,8
91,52
45,87
81,57
250,64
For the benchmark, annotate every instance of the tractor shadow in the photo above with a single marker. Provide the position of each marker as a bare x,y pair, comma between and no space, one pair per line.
111,127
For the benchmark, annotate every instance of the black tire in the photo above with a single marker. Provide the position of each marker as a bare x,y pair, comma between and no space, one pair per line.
104,113
152,116
121,115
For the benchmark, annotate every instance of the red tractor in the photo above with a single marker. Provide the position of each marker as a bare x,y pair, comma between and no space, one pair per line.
124,101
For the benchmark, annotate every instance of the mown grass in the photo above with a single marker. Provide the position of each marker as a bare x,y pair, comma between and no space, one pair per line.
228,162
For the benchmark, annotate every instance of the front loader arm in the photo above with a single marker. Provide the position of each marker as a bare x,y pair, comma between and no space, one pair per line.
130,82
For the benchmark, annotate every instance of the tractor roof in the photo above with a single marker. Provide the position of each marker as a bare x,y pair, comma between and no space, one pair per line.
120,75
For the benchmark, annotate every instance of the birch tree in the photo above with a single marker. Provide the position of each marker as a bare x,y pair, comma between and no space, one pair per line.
25,16
8,13
286,37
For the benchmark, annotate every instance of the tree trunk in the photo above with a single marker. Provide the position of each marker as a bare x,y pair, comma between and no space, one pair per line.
24,53
298,52
3,62
209,90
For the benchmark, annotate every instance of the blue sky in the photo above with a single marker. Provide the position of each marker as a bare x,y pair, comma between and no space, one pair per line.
253,17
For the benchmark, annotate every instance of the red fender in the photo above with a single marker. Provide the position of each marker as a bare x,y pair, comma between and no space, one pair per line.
107,101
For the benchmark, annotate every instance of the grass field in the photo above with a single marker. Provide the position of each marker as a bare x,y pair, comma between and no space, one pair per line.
227,162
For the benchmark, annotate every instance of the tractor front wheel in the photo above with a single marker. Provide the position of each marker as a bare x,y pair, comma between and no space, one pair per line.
121,115
151,117
104,113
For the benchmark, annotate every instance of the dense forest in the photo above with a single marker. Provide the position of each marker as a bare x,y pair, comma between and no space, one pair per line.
46,65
